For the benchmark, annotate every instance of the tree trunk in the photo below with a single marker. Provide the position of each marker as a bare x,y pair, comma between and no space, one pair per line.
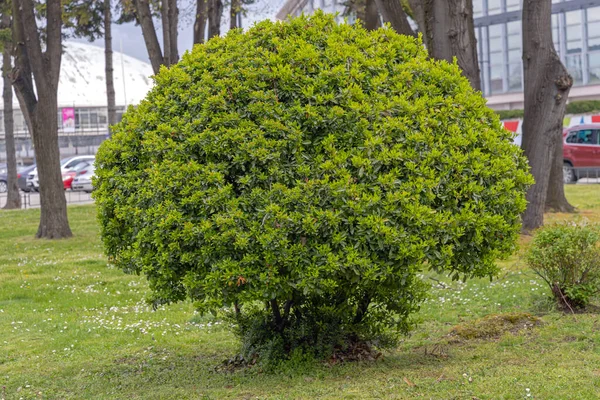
391,11
173,24
360,9
236,8
215,10
372,20
13,199
40,106
166,28
108,67
200,23
547,85
555,198
449,31
149,33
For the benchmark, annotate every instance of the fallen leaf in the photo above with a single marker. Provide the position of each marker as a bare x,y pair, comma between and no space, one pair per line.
409,383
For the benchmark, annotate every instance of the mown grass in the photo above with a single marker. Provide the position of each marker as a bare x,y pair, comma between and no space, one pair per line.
72,327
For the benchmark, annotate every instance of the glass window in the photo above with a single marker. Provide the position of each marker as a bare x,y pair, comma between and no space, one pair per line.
514,56
573,64
594,36
512,5
583,137
594,67
593,14
93,119
84,119
515,72
555,36
496,79
494,6
477,8
573,17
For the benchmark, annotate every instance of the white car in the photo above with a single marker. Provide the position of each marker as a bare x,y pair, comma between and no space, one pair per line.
83,180
65,165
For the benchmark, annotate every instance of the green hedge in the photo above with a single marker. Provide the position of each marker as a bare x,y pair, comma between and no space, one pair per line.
575,107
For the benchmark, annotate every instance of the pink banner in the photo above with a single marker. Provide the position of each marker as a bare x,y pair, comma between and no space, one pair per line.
68,119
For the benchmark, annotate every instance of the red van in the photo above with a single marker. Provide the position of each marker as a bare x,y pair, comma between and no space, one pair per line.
581,152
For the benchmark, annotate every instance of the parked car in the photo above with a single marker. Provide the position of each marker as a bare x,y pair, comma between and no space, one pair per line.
65,165
70,174
83,179
21,179
581,152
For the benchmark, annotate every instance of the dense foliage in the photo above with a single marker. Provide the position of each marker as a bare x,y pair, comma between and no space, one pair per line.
302,174
567,257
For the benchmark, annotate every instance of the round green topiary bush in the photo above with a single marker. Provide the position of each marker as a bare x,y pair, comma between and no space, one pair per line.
302,174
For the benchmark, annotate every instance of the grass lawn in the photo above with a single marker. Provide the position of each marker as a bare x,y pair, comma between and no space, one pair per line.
72,327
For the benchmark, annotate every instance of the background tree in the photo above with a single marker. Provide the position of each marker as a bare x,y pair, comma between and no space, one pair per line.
547,85
392,11
215,11
13,199
200,21
108,66
169,14
39,61
234,10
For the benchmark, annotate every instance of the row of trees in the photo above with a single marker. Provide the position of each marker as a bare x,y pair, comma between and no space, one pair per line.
447,27
32,33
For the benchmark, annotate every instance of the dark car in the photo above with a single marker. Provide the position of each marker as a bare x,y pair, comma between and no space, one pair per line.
21,179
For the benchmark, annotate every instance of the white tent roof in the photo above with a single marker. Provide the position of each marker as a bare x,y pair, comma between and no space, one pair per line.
82,81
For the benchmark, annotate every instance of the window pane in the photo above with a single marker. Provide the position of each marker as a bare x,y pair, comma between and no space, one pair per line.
494,6
593,14
514,27
585,137
574,66
514,77
495,30
594,66
495,44
496,59
514,56
512,5
573,17
477,8
594,36
514,42
496,79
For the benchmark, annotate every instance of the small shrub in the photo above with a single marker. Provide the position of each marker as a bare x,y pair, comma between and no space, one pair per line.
312,170
567,257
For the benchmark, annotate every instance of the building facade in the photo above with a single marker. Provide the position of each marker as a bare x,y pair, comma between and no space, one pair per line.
82,111
575,31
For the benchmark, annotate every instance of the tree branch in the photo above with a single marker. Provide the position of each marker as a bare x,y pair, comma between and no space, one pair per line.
149,33
53,39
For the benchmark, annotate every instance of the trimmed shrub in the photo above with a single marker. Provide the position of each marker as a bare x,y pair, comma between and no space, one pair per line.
567,257
311,170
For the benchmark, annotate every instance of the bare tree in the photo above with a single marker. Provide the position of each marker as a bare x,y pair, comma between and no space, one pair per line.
547,85
200,22
108,66
39,105
169,16
13,199
391,11
215,11
448,31
234,10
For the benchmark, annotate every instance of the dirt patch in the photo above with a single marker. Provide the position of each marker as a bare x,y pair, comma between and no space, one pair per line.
493,326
